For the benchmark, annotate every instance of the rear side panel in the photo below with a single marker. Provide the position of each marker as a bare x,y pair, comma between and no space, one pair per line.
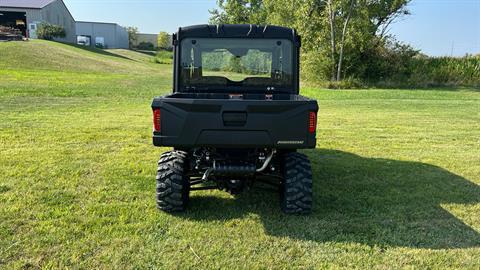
192,122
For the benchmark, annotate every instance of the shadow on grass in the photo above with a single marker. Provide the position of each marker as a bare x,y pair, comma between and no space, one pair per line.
96,50
378,202
149,53
447,88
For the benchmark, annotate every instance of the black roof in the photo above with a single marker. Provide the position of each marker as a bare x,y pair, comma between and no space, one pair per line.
237,31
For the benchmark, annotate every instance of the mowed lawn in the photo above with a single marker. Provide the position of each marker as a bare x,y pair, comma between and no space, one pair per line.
396,176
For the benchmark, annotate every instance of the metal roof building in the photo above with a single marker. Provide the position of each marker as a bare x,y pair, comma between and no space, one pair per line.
107,35
25,15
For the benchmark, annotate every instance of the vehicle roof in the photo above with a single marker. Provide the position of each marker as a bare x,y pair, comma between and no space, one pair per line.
237,31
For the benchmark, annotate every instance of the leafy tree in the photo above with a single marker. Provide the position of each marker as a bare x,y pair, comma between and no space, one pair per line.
50,31
336,34
238,11
163,40
147,46
132,36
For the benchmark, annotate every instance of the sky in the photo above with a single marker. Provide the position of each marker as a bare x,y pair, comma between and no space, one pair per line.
436,27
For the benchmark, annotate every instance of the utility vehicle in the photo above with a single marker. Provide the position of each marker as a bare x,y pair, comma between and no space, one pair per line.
235,116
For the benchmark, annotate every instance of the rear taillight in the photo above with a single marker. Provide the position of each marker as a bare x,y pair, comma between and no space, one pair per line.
156,120
312,122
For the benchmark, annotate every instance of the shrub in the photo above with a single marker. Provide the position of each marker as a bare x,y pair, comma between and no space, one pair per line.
390,62
148,46
50,31
315,67
163,57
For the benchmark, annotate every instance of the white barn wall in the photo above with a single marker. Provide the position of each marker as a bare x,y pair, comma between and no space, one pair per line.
122,37
57,13
114,35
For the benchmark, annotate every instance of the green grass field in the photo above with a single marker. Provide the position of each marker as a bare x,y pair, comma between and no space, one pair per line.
396,176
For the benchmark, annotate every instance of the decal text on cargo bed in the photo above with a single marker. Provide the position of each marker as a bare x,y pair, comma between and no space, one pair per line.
290,142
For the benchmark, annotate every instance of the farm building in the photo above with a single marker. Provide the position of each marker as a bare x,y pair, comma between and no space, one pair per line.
26,15
108,35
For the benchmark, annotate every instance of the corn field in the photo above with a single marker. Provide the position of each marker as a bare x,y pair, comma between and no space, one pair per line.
448,71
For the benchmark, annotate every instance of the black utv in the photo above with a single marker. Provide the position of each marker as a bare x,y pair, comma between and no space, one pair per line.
235,116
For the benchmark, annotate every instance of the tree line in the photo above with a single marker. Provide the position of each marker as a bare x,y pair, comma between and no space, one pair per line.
347,41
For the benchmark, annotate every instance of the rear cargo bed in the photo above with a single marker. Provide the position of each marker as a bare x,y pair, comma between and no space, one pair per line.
229,121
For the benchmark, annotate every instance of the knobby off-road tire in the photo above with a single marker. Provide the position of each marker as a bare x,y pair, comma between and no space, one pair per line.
296,192
172,185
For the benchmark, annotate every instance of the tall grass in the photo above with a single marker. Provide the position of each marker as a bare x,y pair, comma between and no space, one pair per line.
445,71
419,71
163,57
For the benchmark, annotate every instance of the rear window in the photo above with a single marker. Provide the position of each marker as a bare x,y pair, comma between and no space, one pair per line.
263,64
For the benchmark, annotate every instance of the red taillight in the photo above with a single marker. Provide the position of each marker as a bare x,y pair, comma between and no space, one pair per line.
312,122
156,120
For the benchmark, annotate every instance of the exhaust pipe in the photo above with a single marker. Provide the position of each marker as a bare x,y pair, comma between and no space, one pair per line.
267,161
